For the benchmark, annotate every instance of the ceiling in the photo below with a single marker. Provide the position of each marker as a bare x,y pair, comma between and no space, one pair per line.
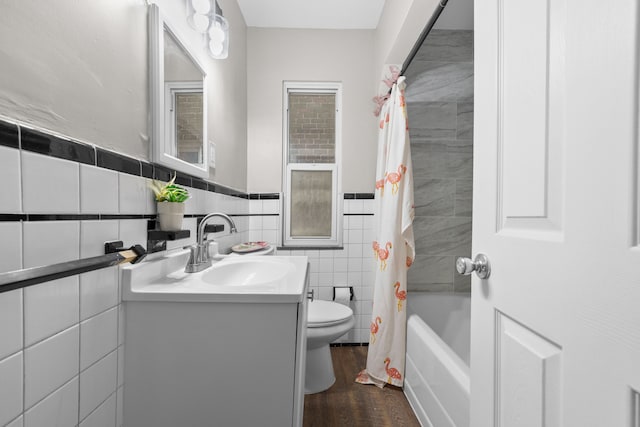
326,14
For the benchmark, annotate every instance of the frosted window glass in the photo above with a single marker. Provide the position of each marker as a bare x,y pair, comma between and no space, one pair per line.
311,203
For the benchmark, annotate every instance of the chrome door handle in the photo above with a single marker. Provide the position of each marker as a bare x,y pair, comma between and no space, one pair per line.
480,265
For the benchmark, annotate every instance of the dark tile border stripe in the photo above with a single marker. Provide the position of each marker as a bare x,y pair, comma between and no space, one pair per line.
42,143
9,135
116,162
359,196
14,136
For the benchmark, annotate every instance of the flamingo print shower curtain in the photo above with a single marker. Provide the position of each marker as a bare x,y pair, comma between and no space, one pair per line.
393,248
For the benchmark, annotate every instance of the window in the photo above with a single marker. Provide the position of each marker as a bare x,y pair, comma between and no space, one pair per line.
184,121
312,159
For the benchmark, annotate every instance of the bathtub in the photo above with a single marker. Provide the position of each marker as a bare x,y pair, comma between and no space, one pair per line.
437,366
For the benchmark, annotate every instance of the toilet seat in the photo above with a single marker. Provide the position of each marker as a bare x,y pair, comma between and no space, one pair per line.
327,313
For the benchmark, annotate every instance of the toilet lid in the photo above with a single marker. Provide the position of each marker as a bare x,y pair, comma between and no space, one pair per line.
326,313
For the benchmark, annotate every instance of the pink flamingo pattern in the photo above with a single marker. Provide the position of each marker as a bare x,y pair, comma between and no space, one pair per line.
375,246
382,254
409,262
380,186
391,372
394,178
374,328
400,295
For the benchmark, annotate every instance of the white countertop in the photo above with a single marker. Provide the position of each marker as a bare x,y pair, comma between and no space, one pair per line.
164,279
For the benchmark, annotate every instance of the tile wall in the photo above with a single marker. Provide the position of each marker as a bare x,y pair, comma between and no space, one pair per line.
440,105
350,265
61,342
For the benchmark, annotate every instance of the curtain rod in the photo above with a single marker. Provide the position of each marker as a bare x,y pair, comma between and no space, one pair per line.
423,35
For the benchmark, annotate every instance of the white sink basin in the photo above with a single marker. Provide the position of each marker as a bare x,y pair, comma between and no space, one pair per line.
247,272
233,279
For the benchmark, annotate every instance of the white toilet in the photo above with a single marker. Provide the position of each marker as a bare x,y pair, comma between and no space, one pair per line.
326,321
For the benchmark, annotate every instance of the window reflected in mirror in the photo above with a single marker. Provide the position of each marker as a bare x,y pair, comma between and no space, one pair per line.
184,104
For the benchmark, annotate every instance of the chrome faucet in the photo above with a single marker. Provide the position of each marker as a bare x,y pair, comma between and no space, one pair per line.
199,258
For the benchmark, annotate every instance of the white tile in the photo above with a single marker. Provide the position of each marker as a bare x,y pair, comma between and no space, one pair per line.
50,242
255,223
98,291
120,407
11,251
121,324
10,178
255,236
10,388
49,185
270,222
325,265
98,337
98,190
355,236
325,279
356,222
10,322
133,232
271,206
18,422
340,279
50,307
367,222
354,264
270,236
120,365
59,409
94,234
325,254
135,195
368,206
104,416
340,265
354,278
354,250
325,293
50,364
97,383
255,206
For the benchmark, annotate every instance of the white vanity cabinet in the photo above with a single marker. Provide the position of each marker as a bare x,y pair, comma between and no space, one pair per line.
227,362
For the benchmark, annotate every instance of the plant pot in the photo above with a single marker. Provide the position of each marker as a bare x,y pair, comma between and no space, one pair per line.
170,216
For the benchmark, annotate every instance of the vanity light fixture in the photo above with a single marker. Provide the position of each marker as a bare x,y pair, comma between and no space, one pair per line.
205,16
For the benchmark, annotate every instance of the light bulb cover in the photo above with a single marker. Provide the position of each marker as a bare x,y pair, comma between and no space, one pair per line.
218,37
201,6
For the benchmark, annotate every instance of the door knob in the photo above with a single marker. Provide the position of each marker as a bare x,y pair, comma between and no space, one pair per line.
480,265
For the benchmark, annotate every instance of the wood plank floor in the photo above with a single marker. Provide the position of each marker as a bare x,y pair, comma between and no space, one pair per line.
347,403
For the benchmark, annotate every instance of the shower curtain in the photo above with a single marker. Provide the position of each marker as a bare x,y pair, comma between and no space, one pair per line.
393,248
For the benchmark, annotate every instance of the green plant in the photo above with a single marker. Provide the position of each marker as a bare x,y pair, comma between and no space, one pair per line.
169,192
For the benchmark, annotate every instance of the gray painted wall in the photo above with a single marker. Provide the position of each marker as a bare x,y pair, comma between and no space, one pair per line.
440,105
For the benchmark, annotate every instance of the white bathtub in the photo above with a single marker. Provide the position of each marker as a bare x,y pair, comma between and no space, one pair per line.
437,366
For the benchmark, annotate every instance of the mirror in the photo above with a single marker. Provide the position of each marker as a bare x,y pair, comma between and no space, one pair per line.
178,100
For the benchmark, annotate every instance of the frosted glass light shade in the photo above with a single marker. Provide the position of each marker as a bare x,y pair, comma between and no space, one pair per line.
201,6
219,37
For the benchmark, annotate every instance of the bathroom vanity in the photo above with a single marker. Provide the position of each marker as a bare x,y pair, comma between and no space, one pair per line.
222,347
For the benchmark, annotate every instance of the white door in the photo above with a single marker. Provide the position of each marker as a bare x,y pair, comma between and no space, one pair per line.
556,327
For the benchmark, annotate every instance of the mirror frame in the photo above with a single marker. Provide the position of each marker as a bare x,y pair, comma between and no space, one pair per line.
160,148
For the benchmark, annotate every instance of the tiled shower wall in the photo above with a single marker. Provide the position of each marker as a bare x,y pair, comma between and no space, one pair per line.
61,342
440,104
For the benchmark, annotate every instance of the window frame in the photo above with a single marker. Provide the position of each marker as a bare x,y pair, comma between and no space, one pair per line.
335,240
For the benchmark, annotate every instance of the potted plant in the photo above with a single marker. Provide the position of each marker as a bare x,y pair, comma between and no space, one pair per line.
170,198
